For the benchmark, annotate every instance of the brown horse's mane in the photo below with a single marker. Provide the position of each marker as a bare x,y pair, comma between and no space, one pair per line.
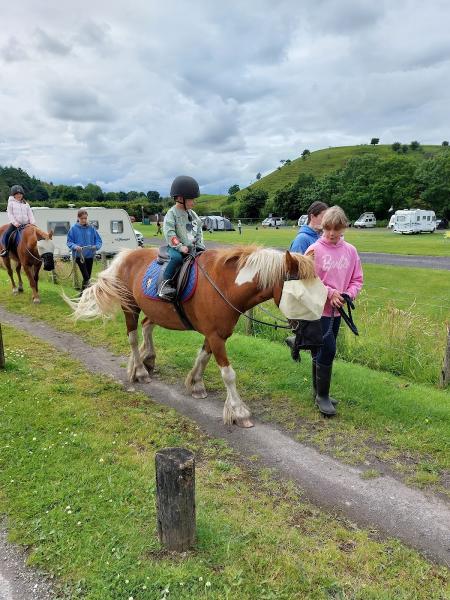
268,264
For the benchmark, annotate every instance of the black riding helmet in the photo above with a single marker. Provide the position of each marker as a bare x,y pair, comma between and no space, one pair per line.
16,189
185,186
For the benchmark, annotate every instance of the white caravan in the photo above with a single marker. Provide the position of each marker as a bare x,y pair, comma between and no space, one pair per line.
414,220
367,219
113,225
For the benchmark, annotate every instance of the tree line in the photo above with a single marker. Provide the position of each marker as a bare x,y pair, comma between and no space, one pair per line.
40,193
365,183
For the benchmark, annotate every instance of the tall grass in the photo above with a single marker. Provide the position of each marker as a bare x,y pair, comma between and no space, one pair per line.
400,341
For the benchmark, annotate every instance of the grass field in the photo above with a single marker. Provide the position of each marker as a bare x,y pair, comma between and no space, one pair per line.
77,483
405,425
377,240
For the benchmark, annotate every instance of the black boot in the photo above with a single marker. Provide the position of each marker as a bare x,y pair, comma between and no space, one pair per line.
314,386
167,291
290,341
323,380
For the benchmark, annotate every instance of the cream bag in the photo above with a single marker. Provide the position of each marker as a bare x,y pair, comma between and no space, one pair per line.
303,299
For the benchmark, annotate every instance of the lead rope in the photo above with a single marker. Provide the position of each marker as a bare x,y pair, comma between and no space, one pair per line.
205,273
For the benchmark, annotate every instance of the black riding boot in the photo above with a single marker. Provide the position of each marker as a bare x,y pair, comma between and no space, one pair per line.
167,291
323,380
314,386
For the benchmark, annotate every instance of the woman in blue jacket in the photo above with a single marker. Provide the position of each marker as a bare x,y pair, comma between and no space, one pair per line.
310,233
84,242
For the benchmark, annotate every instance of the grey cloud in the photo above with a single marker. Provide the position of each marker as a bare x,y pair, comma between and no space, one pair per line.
92,34
13,52
50,44
77,105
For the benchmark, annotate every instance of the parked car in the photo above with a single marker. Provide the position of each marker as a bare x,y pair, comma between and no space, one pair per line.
273,222
367,219
303,220
139,238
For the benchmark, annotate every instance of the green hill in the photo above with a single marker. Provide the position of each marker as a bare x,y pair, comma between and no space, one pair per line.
324,161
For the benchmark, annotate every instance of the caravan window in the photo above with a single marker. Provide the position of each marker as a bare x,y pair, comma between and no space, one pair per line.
116,226
94,223
58,227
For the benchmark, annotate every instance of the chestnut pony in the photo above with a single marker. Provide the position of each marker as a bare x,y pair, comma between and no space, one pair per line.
34,248
245,276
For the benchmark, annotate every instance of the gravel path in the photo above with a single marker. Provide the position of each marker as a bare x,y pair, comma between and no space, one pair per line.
384,504
17,581
441,263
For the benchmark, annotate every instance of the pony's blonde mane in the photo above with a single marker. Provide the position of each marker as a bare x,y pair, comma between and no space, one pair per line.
268,265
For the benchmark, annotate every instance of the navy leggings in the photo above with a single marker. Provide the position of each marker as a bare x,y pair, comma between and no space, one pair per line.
7,235
326,354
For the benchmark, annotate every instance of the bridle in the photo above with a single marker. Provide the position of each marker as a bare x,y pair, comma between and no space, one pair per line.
222,295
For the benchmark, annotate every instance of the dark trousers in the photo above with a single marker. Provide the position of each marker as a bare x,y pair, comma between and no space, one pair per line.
85,267
326,354
7,235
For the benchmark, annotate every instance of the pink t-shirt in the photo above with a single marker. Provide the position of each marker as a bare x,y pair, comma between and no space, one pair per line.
339,268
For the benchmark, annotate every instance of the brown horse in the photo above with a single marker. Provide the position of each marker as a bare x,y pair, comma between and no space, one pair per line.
33,249
246,276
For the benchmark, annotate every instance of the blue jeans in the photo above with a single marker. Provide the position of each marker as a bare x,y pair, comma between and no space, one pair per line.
326,354
7,235
175,262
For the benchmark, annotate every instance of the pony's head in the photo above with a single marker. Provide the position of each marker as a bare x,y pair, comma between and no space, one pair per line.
45,248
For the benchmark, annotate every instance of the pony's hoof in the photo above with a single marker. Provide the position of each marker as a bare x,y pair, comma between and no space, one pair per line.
144,379
244,423
200,394
36,301
15,291
20,290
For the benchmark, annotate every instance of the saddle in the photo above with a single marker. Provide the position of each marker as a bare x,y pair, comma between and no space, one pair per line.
185,281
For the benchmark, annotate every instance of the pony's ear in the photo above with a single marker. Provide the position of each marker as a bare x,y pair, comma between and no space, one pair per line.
50,234
291,263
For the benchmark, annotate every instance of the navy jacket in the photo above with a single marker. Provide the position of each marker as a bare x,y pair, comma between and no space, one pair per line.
84,235
305,237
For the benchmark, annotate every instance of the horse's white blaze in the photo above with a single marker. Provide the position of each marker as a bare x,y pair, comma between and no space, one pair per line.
245,275
234,408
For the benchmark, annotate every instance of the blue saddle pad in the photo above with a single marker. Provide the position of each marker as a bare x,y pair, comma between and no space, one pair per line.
152,276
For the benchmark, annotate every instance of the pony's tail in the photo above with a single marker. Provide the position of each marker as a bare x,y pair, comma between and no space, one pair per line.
104,297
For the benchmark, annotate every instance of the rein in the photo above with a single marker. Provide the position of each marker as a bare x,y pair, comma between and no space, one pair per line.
222,295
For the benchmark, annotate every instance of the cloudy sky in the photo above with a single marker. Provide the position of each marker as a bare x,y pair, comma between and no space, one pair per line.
128,94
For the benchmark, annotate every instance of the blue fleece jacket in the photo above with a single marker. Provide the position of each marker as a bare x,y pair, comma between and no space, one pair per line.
305,237
84,235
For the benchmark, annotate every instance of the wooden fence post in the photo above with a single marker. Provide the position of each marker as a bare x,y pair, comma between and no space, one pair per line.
2,351
175,498
248,323
104,261
445,372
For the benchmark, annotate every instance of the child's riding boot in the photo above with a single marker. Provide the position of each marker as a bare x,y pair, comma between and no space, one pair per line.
323,380
314,386
167,291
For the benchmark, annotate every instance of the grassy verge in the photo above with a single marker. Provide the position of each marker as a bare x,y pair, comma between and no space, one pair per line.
77,484
378,240
382,418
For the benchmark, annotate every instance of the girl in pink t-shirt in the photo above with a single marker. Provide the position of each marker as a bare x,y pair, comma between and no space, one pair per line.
339,267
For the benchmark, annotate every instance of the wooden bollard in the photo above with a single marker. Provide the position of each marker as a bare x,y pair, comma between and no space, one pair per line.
104,261
248,322
445,371
175,498
2,351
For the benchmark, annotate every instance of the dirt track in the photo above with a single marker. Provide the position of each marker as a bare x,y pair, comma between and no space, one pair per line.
385,504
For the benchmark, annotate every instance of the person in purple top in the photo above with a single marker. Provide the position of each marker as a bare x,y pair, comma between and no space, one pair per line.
310,233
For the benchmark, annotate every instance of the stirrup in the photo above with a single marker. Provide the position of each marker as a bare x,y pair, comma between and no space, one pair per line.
167,291
3,253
